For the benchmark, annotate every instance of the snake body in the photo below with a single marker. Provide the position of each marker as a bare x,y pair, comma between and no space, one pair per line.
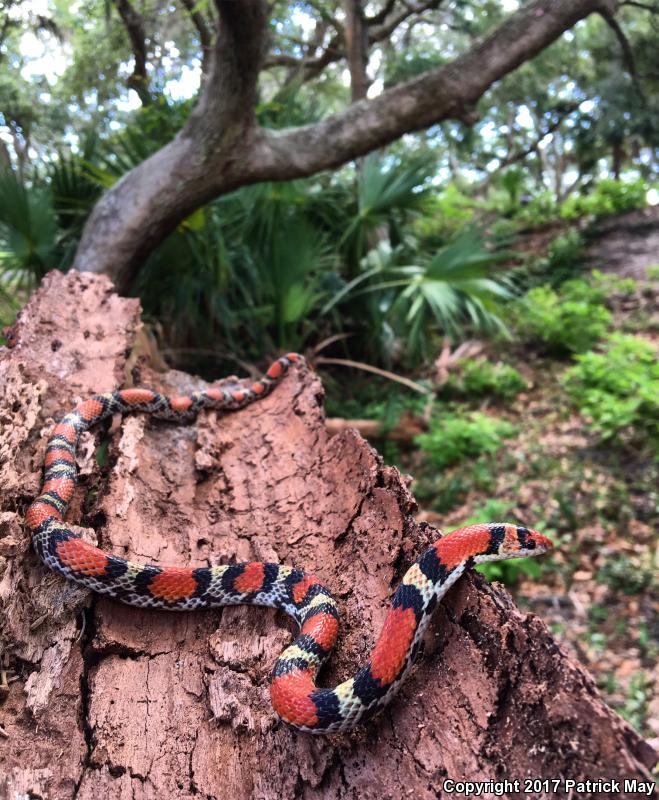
294,693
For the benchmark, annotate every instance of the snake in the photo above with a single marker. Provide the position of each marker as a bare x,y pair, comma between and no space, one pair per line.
296,698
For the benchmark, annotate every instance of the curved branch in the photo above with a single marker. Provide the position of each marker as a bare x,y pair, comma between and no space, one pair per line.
388,26
204,30
449,91
376,29
382,14
627,53
221,147
652,9
134,25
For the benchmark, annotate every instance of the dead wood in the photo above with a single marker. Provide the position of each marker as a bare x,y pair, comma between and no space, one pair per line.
407,427
111,701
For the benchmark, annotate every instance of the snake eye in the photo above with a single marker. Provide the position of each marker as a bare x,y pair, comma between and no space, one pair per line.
536,541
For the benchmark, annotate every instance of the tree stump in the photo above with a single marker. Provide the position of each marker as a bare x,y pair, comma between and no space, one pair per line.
105,700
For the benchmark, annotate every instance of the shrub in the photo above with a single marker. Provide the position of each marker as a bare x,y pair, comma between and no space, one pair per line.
636,708
618,390
446,213
540,209
479,377
628,575
652,272
562,261
570,320
610,283
564,257
609,197
452,438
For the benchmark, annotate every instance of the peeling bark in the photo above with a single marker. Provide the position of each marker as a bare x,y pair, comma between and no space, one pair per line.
113,701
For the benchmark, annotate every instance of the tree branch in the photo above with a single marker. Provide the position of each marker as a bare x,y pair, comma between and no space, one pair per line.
519,155
221,147
134,25
627,53
377,34
356,42
230,94
652,9
376,29
205,33
448,91
382,14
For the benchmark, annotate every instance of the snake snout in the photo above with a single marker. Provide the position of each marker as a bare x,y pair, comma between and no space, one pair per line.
533,541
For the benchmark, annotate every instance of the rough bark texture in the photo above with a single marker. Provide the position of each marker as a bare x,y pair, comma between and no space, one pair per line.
143,704
221,147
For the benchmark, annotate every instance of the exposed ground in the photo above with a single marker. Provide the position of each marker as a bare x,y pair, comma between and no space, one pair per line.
599,592
105,700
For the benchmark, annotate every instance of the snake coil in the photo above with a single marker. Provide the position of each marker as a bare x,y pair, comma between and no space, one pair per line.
295,696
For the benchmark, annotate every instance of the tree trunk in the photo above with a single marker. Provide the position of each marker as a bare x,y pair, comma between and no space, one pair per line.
221,148
617,159
356,34
106,700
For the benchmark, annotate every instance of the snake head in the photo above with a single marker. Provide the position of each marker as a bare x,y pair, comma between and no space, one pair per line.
518,542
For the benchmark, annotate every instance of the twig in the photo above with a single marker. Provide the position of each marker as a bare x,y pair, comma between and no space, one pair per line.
644,6
627,53
337,337
345,362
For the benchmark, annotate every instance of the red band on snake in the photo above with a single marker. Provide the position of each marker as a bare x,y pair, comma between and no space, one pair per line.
295,696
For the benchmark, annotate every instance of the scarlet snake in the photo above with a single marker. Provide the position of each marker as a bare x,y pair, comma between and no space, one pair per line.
295,697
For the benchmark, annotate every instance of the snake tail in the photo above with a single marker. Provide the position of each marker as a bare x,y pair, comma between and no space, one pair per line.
295,696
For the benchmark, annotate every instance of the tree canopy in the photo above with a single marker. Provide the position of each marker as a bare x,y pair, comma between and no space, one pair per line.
273,93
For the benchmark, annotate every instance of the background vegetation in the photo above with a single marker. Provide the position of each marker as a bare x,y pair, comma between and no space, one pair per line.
463,232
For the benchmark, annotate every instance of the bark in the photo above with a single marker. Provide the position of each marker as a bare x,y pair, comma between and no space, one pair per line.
356,34
222,148
111,701
134,24
204,32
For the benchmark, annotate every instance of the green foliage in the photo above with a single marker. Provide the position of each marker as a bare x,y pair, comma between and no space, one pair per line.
387,193
455,437
404,306
392,406
609,197
563,261
610,283
630,575
481,378
28,227
653,272
444,214
453,287
251,269
371,397
513,182
617,390
636,708
564,256
568,320
541,209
